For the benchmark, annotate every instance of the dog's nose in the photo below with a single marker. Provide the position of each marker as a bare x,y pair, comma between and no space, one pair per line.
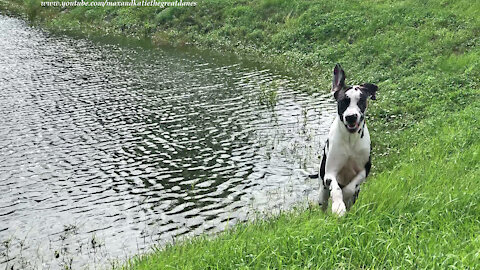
351,119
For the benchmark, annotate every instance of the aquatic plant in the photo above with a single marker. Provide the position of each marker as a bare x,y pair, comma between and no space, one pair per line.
268,94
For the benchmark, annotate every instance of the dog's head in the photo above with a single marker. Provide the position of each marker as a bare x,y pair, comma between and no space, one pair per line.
351,100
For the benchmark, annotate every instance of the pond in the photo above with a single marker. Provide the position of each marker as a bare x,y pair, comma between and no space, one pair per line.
107,149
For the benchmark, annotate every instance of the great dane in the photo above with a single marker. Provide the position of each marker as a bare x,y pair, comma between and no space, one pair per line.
345,163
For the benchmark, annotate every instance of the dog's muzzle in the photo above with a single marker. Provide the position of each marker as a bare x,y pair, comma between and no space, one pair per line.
351,123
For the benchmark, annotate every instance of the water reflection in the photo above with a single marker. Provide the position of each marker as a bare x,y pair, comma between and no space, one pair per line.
106,149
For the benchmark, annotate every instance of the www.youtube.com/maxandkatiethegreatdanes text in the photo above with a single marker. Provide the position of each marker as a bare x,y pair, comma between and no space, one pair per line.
107,3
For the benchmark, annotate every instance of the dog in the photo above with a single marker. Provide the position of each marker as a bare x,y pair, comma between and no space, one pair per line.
345,163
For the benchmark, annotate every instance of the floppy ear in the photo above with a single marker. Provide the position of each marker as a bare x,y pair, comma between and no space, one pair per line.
338,81
370,89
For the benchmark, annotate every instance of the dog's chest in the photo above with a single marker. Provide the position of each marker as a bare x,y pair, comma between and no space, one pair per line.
354,159
349,171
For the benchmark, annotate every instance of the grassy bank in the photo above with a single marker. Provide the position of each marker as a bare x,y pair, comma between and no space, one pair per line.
424,213
420,207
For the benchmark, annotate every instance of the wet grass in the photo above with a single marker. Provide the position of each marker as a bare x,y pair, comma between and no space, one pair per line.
419,209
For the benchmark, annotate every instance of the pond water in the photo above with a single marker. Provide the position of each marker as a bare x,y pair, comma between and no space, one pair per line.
108,149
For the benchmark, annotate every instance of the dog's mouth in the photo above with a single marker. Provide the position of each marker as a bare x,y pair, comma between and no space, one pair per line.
352,127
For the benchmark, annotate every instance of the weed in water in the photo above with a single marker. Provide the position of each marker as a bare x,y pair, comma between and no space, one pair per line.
268,95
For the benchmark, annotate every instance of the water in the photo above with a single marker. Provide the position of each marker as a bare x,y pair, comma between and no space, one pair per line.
107,149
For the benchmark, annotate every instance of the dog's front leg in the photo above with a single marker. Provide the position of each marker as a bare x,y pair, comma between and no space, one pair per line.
350,191
334,163
338,206
324,195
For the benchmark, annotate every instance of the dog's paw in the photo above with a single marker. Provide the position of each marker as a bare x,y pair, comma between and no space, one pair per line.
323,205
339,208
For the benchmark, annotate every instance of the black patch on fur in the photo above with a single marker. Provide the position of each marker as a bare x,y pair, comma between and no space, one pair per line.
324,160
342,105
362,104
328,182
335,95
361,136
355,196
368,165
322,165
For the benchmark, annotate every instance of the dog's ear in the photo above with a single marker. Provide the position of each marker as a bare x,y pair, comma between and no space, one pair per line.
370,89
338,81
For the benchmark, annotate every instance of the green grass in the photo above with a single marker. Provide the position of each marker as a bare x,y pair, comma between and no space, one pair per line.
423,213
419,208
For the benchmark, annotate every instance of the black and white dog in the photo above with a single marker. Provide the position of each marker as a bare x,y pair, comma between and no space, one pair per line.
346,154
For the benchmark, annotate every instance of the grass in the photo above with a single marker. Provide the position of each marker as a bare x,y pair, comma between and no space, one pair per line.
419,208
424,213
268,94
